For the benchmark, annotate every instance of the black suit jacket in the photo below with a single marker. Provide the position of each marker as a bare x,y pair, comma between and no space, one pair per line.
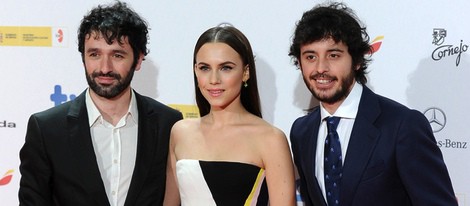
58,163
392,158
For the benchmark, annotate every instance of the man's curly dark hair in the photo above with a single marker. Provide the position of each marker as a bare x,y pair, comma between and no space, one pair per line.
338,22
113,22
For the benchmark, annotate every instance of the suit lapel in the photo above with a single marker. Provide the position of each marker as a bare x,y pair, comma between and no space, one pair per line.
146,143
82,150
364,138
311,141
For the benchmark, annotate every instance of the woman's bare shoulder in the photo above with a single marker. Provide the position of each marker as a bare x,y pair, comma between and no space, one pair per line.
186,123
185,126
269,129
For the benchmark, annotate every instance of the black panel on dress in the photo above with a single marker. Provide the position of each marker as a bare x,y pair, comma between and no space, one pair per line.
231,182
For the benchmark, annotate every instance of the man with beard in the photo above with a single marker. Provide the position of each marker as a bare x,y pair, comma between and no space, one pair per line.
389,151
108,146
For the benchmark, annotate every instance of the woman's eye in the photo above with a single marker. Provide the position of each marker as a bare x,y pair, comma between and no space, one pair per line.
226,68
203,68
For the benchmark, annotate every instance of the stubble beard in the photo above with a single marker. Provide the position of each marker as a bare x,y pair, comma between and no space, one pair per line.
113,90
340,94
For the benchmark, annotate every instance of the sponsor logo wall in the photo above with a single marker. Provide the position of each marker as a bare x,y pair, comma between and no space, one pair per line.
421,59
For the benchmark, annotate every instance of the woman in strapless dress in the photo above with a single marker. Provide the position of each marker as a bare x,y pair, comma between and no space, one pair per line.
230,155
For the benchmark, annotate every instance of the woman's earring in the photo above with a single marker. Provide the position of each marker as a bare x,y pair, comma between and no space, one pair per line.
245,84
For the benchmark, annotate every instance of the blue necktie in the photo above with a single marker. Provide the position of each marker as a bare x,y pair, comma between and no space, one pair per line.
333,165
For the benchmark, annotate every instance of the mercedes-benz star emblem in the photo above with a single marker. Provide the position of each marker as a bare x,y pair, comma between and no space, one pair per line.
436,118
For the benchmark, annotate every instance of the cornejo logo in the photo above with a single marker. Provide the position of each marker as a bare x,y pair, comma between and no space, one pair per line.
438,36
448,50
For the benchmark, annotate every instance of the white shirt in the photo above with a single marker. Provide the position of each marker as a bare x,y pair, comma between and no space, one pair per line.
115,149
347,111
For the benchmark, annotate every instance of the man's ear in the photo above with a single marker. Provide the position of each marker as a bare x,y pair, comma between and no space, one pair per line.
139,62
357,67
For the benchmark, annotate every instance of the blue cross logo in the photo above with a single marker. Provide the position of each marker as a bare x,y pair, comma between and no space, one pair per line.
58,98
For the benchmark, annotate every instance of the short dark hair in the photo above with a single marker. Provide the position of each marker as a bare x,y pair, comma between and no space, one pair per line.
237,40
114,22
336,21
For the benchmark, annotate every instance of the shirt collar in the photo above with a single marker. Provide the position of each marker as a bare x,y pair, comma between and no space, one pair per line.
94,114
349,107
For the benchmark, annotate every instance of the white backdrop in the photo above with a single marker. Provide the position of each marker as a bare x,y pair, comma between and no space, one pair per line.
412,66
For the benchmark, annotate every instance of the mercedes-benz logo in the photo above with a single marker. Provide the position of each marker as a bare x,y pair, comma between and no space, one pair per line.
436,118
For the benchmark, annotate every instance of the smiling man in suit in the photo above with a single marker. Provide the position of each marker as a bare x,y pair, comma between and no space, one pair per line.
381,152
109,145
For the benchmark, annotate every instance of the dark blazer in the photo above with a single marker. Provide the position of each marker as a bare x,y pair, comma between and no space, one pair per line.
392,158
58,163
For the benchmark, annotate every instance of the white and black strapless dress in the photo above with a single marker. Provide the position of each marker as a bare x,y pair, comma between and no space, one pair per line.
221,183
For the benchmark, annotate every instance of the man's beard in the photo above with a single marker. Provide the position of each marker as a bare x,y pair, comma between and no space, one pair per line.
109,91
340,94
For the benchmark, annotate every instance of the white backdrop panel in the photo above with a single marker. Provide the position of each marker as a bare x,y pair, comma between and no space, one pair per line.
403,68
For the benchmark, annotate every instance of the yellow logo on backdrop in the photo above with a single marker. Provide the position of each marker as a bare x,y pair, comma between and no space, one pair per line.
188,111
25,36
